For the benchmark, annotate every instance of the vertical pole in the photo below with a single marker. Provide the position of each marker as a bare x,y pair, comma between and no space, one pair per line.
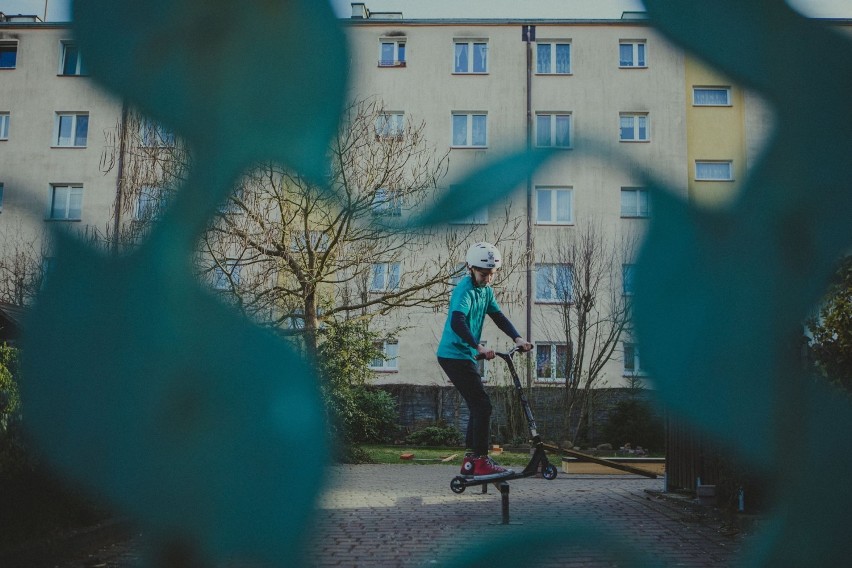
484,488
119,179
530,255
504,493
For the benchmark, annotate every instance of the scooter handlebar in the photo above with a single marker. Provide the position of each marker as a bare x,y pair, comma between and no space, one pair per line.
509,353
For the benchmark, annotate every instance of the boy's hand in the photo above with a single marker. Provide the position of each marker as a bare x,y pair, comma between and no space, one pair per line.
523,345
484,353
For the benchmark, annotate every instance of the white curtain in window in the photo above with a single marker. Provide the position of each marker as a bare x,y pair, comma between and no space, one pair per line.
461,58
542,58
711,96
478,131
563,58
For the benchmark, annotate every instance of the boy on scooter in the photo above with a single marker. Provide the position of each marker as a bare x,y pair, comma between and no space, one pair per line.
459,349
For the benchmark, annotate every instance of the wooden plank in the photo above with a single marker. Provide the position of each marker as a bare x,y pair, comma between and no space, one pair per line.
601,461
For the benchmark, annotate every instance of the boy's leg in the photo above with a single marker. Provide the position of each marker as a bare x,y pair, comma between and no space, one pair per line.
465,377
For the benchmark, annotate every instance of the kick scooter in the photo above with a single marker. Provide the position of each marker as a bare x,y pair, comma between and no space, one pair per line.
539,457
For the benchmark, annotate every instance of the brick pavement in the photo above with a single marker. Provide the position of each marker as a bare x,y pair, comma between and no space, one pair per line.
406,516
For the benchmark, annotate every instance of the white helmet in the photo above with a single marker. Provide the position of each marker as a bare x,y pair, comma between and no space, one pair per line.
484,255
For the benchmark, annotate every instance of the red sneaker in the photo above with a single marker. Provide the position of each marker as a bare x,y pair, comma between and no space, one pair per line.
486,468
468,465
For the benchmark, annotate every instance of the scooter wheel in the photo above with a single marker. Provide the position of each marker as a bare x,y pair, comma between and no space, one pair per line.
458,485
549,472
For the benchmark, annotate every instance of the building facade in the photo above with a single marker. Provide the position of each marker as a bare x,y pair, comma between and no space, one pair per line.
612,99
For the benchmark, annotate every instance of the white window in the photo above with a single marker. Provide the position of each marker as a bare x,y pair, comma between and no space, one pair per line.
628,276
386,203
471,56
553,205
150,204
635,202
4,125
714,171
632,364
385,277
319,241
8,54
72,62
633,127
553,283
553,130
155,135
553,58
228,276
71,130
66,202
470,130
631,53
392,52
711,96
551,360
390,124
388,361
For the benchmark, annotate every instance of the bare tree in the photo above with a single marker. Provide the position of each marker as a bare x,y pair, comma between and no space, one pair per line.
21,265
589,277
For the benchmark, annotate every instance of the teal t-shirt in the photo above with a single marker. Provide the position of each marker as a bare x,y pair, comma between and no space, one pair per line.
474,303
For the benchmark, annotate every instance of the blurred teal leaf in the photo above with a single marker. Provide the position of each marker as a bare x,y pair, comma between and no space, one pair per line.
145,388
483,187
254,80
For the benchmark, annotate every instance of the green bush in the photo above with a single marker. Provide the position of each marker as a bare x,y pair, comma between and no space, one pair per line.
633,421
435,436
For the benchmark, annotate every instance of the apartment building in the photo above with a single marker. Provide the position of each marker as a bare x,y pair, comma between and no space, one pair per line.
612,99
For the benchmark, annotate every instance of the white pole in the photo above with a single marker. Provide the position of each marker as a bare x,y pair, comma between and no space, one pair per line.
45,11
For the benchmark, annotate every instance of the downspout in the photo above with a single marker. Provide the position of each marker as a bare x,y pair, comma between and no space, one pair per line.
529,36
119,181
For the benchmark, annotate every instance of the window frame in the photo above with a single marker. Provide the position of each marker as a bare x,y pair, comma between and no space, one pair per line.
729,163
152,131
552,122
390,361
380,206
80,67
553,361
726,89
554,205
222,280
75,122
51,206
634,43
553,45
386,275
553,289
5,45
468,129
5,120
390,125
471,44
397,61
635,117
628,279
639,191
636,360
156,203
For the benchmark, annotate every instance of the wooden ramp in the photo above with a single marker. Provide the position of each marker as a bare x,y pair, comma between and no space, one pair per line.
601,461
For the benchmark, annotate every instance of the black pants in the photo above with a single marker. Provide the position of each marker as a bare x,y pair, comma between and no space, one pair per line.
465,377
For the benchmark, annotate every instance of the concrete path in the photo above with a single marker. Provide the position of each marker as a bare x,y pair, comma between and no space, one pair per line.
406,516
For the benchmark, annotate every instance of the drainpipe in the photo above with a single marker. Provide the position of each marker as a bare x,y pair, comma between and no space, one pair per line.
119,180
528,36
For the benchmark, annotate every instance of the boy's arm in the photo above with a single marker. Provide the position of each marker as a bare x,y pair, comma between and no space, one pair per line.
506,327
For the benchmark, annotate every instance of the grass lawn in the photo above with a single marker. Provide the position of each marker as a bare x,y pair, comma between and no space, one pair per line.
390,455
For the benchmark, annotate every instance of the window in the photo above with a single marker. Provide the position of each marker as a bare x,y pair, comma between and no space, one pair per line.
631,54
714,171
8,54
385,277
553,283
632,364
633,128
66,202
150,204
386,203
155,135
553,58
471,56
470,130
72,62
635,202
553,130
628,275
711,96
551,360
226,277
553,206
71,130
390,124
392,52
389,350
319,241
4,125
